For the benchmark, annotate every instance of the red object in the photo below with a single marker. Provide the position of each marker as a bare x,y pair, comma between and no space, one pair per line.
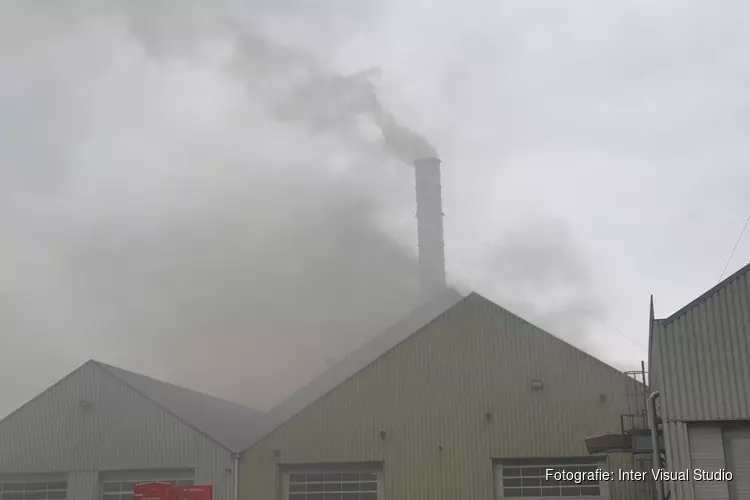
166,491
155,491
205,492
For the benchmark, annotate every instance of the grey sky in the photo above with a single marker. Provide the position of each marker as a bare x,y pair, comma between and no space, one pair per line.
229,219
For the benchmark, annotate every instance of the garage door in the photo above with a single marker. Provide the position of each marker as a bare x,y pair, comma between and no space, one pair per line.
33,490
524,478
707,453
738,461
332,483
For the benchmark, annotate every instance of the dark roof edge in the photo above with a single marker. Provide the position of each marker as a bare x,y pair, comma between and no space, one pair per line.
278,425
104,367
704,296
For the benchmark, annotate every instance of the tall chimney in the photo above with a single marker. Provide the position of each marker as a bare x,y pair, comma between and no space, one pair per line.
430,226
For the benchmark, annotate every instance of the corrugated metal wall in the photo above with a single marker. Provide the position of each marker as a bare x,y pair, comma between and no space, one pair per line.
678,458
83,485
700,362
707,454
436,389
703,357
120,431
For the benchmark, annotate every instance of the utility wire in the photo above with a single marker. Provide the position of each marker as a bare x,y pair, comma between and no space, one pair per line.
550,287
736,244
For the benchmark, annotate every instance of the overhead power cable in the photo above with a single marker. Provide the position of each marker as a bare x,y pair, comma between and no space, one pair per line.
736,244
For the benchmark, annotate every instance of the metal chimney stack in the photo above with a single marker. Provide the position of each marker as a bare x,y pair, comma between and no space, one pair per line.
430,226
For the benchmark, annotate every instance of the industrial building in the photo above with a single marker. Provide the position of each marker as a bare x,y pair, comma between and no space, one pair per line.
462,399
101,429
700,364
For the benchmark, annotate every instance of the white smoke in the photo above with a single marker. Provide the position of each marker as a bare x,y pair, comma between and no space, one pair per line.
184,197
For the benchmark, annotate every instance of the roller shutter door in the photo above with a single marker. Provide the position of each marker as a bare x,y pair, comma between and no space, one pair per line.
524,478
738,461
333,483
707,453
33,490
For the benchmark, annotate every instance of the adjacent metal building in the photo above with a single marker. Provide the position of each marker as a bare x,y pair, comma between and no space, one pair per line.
700,364
462,399
101,429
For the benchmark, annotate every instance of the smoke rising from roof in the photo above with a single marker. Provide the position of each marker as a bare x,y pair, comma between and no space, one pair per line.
184,197
539,272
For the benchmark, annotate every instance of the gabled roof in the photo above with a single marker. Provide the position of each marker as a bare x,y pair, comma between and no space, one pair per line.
380,345
231,425
705,296
362,357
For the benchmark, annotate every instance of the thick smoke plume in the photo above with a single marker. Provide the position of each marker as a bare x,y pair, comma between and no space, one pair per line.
539,271
180,196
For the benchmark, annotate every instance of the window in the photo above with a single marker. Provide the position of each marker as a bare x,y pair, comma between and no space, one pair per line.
123,490
333,485
524,478
37,490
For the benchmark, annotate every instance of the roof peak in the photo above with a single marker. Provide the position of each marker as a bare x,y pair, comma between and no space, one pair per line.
705,295
368,352
230,424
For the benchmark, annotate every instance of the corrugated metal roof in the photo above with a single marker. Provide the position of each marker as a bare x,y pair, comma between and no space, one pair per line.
232,425
705,296
363,356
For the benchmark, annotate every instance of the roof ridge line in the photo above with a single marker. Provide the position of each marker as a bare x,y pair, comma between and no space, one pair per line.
204,394
460,297
105,367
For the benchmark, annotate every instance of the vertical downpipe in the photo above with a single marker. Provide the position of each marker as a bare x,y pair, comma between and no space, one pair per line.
236,478
430,226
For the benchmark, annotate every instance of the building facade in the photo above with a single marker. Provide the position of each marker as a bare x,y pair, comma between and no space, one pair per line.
100,430
468,401
700,364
